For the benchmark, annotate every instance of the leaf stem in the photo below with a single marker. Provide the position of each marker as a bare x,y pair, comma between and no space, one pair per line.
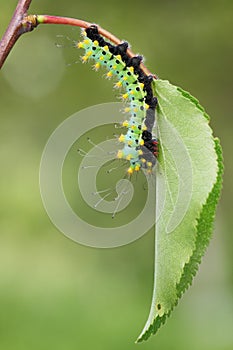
46,19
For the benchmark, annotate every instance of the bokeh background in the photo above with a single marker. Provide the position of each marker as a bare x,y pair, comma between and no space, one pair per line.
54,293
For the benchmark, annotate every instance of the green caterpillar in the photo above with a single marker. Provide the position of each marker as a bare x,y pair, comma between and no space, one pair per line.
140,149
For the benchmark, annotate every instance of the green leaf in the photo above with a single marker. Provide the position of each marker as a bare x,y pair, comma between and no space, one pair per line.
188,186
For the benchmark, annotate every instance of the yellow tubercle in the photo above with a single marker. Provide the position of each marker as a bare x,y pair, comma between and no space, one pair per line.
143,160
128,157
89,53
149,164
141,85
96,43
125,96
132,92
130,171
131,69
140,152
80,45
84,59
96,66
101,58
122,138
130,143
86,41
118,84
118,57
106,48
137,167
147,106
141,142
127,109
119,154
109,74
125,123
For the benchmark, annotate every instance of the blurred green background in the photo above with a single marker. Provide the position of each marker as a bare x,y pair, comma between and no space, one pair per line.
55,293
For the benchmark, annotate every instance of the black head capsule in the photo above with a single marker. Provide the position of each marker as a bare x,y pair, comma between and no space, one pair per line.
92,32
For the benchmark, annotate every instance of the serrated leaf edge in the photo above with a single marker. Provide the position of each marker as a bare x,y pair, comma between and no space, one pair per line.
199,251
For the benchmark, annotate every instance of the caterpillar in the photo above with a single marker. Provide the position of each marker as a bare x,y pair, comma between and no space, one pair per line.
140,148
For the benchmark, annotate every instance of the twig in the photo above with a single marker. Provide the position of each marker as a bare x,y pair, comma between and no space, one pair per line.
15,28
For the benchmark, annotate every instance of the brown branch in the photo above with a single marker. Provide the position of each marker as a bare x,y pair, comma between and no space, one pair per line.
15,28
